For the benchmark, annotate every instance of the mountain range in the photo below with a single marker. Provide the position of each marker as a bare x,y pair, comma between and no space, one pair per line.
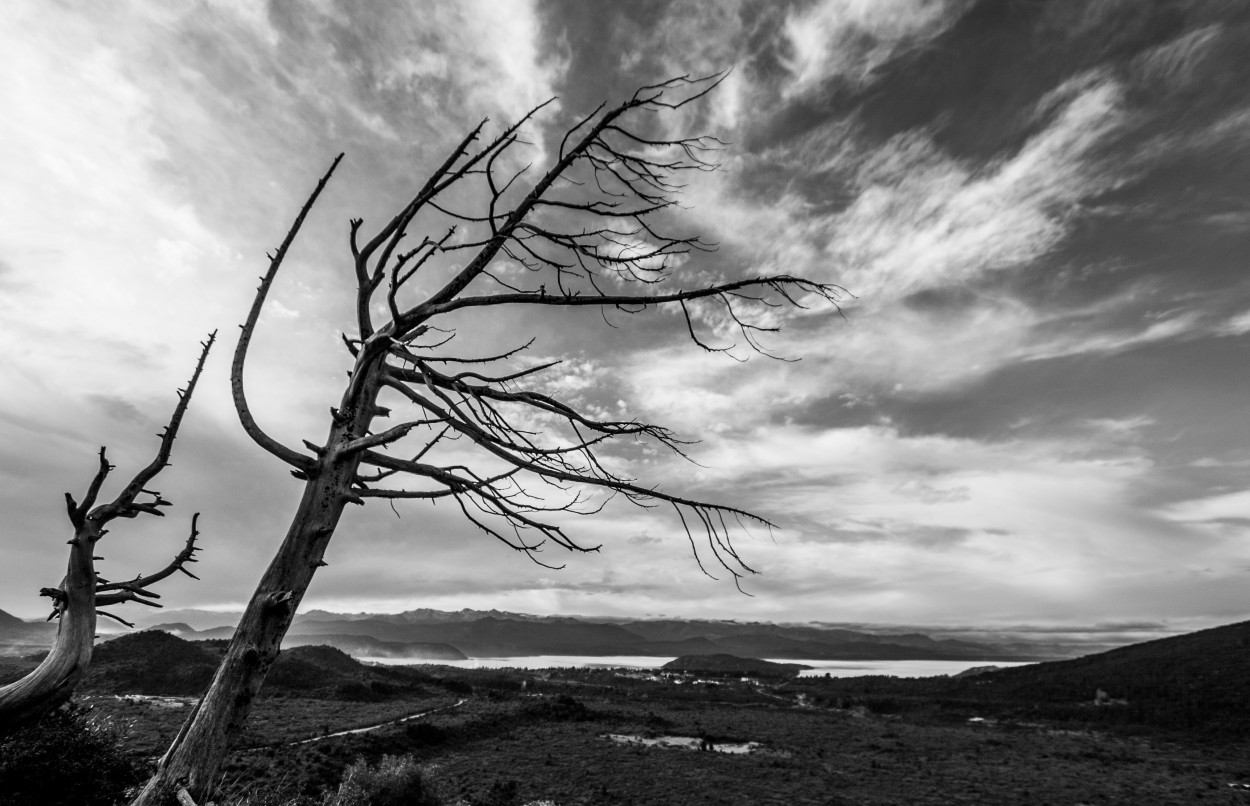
433,635
440,635
18,637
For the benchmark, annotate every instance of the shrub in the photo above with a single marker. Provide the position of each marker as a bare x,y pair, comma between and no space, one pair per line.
68,759
456,686
425,734
501,793
395,781
562,708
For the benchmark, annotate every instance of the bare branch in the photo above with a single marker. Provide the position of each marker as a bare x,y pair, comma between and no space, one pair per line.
778,283
138,586
127,503
291,457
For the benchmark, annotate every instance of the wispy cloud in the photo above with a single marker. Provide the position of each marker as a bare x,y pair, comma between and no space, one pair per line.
850,39
1172,327
1238,325
921,219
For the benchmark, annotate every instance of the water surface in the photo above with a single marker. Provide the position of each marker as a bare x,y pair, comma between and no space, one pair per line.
834,668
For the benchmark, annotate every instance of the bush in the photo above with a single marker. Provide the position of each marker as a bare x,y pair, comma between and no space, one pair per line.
68,759
501,793
395,781
562,708
423,734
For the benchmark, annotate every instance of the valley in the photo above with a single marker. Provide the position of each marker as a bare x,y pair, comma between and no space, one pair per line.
1172,726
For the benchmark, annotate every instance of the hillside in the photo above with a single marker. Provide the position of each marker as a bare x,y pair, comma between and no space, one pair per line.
153,662
324,672
150,662
18,637
1189,680
1195,682
8,620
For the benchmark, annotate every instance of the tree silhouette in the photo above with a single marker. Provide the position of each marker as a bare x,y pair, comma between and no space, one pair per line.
83,592
589,231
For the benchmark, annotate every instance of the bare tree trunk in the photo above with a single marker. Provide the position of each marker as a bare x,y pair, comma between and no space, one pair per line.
54,681
194,759
83,593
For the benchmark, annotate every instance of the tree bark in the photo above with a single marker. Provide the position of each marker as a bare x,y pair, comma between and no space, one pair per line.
54,681
194,759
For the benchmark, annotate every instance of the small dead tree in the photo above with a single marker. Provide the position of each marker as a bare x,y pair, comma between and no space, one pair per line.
82,594
589,231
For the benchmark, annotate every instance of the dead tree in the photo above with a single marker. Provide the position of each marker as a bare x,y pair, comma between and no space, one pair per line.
589,231
83,593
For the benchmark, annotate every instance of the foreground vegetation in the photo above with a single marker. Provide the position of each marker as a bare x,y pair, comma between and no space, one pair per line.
1032,735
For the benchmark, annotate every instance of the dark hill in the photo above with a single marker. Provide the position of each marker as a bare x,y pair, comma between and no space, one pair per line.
151,662
178,628
326,672
732,666
22,634
157,663
314,669
1195,684
1193,680
327,658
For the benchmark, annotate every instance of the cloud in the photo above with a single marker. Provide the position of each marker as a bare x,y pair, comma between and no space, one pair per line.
851,39
959,525
913,221
1175,65
921,219
1238,325
1179,325
1224,509
891,350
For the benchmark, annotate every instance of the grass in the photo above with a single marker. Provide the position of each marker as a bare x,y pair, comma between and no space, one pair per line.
552,744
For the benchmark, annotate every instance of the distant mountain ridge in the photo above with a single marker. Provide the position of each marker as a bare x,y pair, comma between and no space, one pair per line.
19,635
9,620
431,635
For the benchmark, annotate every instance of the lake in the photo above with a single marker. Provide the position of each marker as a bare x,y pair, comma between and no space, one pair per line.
834,668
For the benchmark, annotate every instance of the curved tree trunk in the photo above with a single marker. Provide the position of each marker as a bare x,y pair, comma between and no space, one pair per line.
53,682
82,593
194,759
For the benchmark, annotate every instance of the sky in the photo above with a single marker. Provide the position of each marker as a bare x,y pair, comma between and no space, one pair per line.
1030,417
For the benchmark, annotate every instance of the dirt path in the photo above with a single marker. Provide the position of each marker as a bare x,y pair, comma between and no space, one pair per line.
369,728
